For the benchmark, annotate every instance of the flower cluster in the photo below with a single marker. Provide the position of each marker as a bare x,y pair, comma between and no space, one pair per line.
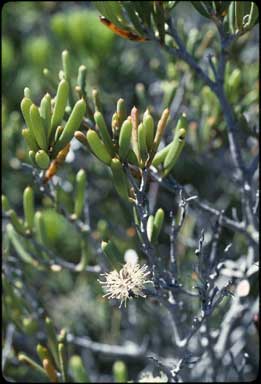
126,283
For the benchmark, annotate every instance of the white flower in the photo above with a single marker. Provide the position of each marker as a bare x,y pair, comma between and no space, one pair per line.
147,377
127,283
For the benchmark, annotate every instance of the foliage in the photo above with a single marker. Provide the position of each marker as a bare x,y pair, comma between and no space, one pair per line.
130,165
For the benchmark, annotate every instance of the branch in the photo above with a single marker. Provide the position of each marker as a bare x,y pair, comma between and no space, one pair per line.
175,228
139,204
184,55
131,351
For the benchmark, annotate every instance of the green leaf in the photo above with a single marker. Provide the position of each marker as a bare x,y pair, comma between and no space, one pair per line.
125,139
27,360
71,126
84,256
80,193
201,8
120,374
253,16
174,151
38,127
144,9
97,147
18,245
28,205
120,180
113,254
113,12
52,339
142,144
59,106
239,14
159,18
157,224
133,17
160,156
77,369
42,159
104,133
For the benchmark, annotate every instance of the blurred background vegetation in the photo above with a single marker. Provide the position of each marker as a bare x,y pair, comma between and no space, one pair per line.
33,37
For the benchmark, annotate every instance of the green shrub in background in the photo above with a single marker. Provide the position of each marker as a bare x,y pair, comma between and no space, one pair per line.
81,29
7,54
37,51
130,181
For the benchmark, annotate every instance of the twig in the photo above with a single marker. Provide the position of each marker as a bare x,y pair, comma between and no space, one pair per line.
175,228
139,205
253,166
8,344
132,351
183,54
214,246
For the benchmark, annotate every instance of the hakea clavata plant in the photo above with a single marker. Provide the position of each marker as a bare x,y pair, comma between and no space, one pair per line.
126,283
130,141
129,146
